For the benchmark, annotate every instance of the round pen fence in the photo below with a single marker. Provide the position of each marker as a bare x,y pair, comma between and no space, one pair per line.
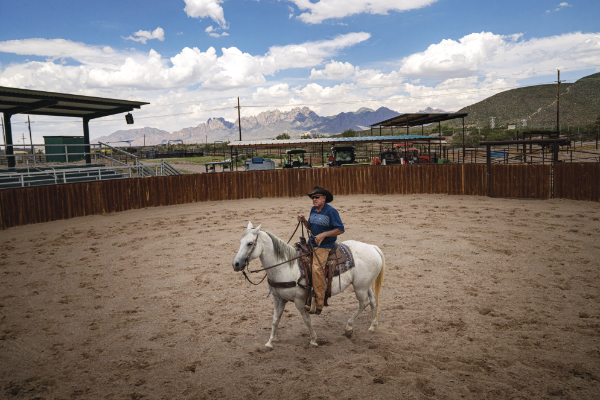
22,206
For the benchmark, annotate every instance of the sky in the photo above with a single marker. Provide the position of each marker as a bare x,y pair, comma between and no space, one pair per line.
192,59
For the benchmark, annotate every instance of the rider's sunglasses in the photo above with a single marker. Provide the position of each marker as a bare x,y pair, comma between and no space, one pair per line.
316,196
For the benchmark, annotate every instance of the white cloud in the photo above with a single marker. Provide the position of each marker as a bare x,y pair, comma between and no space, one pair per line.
108,69
486,54
310,53
144,36
326,9
334,70
206,9
454,73
212,32
560,6
60,48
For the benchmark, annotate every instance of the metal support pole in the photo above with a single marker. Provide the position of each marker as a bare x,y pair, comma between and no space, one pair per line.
323,154
488,152
239,123
3,134
558,103
86,140
463,123
8,141
30,140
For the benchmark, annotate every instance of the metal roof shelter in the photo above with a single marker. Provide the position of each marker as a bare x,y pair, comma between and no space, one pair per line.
36,102
419,119
323,141
340,141
416,119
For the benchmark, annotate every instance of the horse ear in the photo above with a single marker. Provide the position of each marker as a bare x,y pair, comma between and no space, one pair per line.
249,225
258,227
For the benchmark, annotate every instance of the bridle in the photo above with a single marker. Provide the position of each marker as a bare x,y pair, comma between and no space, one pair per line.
246,266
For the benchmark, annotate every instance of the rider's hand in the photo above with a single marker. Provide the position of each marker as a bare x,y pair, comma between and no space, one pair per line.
301,218
319,238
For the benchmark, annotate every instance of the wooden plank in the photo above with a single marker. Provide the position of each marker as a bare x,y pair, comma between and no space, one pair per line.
9,204
594,182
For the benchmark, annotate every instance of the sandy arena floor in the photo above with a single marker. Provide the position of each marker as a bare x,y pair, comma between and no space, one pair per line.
483,298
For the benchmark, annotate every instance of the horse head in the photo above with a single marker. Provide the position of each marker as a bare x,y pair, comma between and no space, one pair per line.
248,248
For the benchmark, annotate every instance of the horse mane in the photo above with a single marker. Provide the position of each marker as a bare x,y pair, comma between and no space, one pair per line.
283,251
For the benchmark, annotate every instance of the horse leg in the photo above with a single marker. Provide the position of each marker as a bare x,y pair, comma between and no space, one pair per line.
363,300
373,304
313,335
278,306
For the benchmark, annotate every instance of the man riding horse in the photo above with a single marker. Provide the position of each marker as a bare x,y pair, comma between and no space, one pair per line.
325,224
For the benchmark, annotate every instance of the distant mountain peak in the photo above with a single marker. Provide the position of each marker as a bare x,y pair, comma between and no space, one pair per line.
364,109
430,110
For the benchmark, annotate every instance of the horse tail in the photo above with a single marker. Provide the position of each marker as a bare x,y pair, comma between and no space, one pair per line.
379,282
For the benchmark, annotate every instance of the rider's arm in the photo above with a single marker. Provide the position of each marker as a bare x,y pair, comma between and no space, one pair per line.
334,232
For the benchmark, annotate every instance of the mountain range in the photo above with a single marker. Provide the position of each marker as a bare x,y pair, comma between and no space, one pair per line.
266,125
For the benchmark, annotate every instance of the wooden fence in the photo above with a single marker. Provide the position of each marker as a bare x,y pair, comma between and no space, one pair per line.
49,203
521,181
577,181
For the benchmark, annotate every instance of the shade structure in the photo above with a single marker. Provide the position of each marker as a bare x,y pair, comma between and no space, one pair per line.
418,119
36,102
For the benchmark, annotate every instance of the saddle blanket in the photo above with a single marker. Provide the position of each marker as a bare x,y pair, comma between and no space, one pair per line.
347,261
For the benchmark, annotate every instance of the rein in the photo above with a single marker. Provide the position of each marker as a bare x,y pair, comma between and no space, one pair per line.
276,265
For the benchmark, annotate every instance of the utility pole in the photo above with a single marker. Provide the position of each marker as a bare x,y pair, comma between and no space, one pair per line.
558,103
239,119
30,141
144,140
23,138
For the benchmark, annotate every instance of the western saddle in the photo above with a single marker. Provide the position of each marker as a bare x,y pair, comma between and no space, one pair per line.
304,251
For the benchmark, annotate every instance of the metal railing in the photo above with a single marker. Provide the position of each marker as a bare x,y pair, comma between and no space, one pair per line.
64,163
37,176
167,169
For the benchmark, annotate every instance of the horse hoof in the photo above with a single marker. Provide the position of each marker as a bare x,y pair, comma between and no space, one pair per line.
268,347
348,332
371,329
313,345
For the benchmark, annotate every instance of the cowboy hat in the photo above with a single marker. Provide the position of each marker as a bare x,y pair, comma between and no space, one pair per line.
320,190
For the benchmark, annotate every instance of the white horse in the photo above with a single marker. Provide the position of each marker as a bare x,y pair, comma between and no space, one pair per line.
368,271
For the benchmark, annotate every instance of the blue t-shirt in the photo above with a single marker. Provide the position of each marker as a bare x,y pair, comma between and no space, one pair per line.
324,221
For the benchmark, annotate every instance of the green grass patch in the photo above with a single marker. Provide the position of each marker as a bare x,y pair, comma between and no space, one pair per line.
194,160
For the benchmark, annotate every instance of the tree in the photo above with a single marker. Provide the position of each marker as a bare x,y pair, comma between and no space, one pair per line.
349,133
283,136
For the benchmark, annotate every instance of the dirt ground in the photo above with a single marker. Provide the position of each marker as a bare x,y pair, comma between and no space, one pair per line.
483,298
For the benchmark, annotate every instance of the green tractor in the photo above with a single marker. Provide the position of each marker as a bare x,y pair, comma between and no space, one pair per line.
290,162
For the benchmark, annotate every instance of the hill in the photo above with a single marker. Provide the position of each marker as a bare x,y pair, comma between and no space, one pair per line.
579,105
